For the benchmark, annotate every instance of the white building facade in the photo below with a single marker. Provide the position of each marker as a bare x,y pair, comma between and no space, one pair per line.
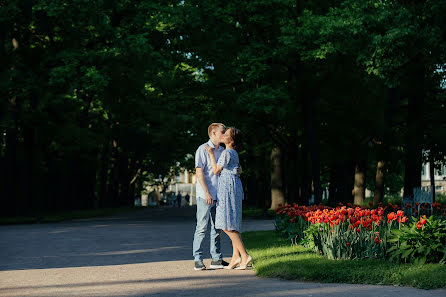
439,177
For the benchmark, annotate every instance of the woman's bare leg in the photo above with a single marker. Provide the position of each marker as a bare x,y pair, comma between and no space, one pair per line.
235,251
237,243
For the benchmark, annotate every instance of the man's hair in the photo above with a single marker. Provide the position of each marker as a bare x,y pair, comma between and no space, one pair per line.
215,126
237,137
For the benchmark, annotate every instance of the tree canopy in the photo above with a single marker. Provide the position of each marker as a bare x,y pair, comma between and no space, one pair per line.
99,96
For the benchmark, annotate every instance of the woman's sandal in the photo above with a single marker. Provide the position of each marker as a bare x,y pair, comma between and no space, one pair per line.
243,267
233,265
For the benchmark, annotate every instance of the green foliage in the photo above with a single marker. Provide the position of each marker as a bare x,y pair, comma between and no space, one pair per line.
274,257
92,87
418,243
99,91
281,223
294,230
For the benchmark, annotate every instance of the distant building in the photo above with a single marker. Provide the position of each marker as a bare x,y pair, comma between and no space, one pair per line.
185,184
439,177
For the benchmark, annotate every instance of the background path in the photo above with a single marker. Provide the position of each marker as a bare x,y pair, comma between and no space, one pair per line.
143,253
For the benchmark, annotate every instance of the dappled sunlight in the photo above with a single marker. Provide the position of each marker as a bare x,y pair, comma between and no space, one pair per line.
120,260
278,255
326,290
100,258
170,279
100,226
58,231
156,277
133,251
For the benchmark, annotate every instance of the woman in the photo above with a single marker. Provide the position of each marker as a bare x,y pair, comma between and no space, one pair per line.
230,195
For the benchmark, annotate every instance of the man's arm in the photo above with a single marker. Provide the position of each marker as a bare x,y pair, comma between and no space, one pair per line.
200,176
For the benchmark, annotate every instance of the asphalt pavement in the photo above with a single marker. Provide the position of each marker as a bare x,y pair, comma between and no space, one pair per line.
142,253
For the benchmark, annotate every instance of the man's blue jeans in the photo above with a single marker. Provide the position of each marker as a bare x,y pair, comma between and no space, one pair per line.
204,213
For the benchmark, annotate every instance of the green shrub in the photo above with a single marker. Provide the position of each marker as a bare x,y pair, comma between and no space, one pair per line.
419,242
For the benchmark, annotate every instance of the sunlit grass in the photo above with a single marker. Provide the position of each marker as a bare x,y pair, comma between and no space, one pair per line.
255,212
276,257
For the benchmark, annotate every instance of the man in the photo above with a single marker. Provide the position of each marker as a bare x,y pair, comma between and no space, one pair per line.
206,189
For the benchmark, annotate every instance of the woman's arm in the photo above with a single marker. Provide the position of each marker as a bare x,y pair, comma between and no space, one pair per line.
216,169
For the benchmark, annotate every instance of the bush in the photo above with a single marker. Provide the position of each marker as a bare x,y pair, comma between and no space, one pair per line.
420,242
360,233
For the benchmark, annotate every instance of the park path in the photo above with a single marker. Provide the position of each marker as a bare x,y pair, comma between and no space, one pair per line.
143,253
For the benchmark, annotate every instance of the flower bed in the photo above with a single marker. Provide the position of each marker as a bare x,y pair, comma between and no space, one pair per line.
352,232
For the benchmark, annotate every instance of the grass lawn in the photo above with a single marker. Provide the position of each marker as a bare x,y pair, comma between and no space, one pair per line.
274,256
58,216
254,212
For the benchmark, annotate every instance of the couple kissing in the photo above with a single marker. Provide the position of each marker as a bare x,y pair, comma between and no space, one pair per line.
219,195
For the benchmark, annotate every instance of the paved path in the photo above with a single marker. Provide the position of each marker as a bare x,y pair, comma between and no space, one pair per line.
147,253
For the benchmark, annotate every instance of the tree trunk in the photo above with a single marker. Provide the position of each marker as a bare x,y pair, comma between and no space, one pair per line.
113,184
414,138
332,188
312,139
103,172
290,177
251,195
277,195
33,195
378,195
342,176
379,183
359,185
300,177
9,195
349,169
412,169
263,190
306,176
28,196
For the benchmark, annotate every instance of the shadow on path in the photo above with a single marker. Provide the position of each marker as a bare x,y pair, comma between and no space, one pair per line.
147,253
151,235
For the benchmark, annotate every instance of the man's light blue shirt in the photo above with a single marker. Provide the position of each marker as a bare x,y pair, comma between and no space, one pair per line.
203,161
